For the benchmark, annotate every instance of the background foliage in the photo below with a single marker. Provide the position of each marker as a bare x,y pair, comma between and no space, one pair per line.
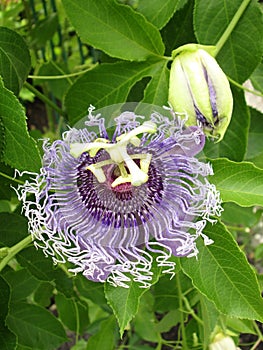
57,58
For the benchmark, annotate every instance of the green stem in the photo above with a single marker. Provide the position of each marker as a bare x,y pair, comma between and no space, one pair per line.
64,76
254,92
191,311
14,250
11,178
77,321
237,228
180,295
45,99
221,42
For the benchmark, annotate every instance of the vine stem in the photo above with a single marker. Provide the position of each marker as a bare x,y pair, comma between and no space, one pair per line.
11,178
254,92
44,98
64,76
14,250
180,294
221,42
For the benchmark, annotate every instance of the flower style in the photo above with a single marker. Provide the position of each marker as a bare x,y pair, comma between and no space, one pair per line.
105,203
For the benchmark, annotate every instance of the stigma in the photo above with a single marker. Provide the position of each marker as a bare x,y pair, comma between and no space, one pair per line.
133,168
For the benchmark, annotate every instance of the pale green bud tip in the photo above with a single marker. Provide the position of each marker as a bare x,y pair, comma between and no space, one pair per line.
199,88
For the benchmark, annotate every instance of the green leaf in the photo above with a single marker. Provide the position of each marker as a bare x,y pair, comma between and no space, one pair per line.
159,12
2,138
170,319
22,284
105,338
42,268
237,215
13,229
234,143
179,30
72,313
44,30
35,327
58,87
144,321
37,263
7,338
166,295
20,150
241,326
4,299
15,62
224,276
43,294
210,317
241,183
106,85
114,28
257,77
242,52
255,141
125,301
90,290
156,92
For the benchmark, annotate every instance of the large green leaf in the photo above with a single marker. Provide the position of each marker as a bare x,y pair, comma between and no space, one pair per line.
156,92
243,50
210,317
7,338
159,12
224,276
20,149
15,62
241,183
22,284
42,268
234,143
257,78
114,28
105,338
125,301
105,85
90,290
72,313
179,30
13,229
255,141
35,327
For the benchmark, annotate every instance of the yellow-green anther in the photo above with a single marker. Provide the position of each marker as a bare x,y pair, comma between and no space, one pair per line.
199,88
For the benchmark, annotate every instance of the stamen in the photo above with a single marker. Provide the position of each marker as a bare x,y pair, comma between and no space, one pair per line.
119,156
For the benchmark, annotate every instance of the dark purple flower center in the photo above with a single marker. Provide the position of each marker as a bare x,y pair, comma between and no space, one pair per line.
121,205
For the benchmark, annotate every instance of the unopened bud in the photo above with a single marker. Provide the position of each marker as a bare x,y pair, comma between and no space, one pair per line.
222,342
200,89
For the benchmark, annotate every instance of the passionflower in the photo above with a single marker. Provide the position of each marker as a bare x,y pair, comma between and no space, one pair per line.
199,87
110,201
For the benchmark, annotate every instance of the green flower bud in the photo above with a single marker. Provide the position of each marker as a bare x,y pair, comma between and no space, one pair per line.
199,88
223,342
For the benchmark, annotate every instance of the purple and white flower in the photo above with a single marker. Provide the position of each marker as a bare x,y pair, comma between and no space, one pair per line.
106,203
